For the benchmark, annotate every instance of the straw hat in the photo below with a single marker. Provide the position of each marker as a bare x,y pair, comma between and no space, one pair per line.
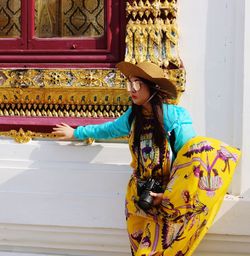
151,72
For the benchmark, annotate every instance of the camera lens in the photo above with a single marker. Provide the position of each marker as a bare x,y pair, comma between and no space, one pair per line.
146,200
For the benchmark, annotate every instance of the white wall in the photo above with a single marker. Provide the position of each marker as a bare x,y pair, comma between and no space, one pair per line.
207,47
214,46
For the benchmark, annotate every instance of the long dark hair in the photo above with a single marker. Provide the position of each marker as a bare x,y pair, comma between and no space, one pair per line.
159,133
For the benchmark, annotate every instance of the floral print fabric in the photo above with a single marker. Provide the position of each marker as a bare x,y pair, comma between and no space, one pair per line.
195,188
153,161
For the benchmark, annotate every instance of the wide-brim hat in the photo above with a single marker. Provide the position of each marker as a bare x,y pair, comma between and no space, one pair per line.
151,72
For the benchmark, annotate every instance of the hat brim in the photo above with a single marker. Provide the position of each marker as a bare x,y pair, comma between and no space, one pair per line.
167,88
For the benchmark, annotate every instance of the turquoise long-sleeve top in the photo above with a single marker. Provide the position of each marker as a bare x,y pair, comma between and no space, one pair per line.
174,118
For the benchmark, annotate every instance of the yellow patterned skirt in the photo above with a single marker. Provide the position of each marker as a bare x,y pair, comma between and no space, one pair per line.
199,179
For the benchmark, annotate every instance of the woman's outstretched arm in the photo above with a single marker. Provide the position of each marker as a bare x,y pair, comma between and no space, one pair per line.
117,128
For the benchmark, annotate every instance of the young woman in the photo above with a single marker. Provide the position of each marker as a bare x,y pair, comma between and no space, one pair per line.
178,180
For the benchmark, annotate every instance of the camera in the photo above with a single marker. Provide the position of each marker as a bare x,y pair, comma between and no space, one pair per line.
145,201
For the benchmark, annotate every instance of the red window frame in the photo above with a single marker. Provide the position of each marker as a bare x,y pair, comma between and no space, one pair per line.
29,51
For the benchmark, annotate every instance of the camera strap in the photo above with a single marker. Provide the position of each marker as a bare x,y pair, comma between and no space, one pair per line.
171,139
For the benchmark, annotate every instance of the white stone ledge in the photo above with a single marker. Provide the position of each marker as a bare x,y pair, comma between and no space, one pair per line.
95,242
233,217
6,253
64,240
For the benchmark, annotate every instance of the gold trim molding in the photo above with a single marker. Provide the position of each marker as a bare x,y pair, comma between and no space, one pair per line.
69,93
63,102
61,78
22,136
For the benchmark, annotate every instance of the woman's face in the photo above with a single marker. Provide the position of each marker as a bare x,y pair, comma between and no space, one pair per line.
138,90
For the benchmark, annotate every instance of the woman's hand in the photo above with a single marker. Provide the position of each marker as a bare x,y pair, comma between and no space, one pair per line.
64,130
157,198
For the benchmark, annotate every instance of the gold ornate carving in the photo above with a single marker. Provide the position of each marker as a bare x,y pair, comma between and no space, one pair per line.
61,78
152,35
63,93
155,8
152,32
22,136
94,107
68,93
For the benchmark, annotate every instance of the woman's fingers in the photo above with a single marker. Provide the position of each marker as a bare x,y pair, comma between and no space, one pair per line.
157,197
65,125
58,132
153,194
63,130
58,128
62,125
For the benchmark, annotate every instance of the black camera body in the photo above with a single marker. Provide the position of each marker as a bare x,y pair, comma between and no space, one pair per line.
145,201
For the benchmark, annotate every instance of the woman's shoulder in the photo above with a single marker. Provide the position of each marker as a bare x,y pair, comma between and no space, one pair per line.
174,115
173,110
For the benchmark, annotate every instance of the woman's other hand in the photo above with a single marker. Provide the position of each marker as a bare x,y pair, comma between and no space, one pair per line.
64,130
157,198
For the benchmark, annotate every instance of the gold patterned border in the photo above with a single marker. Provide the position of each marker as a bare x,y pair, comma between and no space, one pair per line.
22,136
69,93
61,78
63,102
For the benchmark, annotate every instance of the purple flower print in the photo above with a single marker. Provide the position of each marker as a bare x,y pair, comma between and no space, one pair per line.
225,156
146,242
200,147
179,253
210,183
197,170
137,235
171,232
186,196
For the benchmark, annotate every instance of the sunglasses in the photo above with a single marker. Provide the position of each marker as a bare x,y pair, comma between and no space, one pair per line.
133,86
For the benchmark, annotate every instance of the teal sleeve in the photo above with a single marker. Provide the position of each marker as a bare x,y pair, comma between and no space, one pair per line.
178,119
118,128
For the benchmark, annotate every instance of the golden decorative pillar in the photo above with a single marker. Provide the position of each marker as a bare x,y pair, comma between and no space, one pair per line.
152,35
